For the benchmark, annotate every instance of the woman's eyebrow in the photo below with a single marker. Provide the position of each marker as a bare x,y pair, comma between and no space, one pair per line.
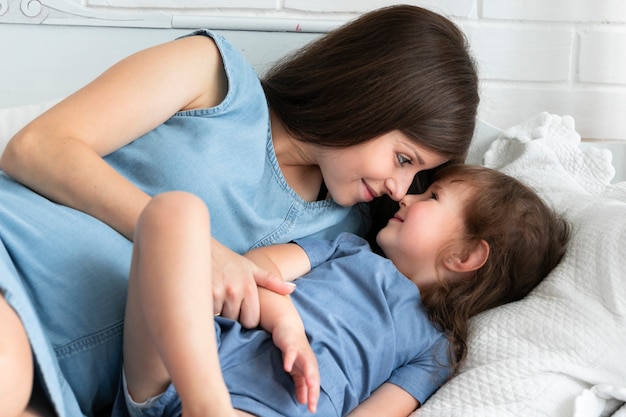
419,158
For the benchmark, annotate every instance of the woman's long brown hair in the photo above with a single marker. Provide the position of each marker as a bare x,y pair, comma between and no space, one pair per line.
399,67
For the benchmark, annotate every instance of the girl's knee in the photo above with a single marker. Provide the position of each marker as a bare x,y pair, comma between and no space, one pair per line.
173,209
16,363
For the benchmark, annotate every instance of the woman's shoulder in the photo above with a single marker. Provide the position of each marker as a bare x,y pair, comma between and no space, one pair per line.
232,58
228,68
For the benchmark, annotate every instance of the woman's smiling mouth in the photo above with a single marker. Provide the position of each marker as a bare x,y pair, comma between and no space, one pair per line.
369,193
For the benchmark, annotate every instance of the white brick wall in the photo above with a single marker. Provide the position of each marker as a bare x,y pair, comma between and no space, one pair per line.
561,56
556,10
602,55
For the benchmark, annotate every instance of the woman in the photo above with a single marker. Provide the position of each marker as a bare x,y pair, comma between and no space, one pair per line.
352,117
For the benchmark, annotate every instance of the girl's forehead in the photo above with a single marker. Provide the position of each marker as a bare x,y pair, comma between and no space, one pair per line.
449,182
455,186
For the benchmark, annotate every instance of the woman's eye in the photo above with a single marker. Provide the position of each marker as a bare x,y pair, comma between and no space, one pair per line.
403,159
434,196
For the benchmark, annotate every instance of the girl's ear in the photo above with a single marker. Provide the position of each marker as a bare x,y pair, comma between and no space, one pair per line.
468,262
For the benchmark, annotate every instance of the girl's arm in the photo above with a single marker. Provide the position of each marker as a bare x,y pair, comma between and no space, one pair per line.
287,260
388,400
280,317
59,154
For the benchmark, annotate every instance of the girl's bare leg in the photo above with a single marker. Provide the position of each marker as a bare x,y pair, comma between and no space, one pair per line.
16,364
169,333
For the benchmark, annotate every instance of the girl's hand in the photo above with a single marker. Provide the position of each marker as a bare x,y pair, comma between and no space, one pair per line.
235,279
300,362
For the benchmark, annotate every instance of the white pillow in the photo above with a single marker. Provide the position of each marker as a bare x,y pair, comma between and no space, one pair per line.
536,356
12,119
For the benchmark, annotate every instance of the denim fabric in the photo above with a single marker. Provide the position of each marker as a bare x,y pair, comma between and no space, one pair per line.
62,398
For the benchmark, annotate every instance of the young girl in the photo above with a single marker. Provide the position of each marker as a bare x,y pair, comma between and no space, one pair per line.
362,335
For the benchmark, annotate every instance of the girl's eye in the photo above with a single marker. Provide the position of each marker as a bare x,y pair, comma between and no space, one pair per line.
403,159
434,196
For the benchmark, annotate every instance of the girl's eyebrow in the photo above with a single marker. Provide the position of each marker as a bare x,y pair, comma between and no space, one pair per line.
437,188
434,187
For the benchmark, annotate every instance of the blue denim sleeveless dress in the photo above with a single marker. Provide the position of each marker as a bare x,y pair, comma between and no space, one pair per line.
65,273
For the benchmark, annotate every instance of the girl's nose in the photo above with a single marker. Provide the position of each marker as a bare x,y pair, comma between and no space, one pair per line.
410,199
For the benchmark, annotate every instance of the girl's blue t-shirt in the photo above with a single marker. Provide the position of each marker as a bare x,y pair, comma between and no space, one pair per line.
366,324
65,273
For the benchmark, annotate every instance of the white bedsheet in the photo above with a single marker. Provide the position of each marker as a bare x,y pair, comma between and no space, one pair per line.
536,356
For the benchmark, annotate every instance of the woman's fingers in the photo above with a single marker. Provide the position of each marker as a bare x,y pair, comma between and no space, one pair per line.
235,280
273,283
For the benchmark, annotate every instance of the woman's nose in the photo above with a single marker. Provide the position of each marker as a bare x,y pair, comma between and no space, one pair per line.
399,186
395,191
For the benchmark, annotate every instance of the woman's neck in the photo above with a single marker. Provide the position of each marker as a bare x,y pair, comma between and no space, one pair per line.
289,150
296,160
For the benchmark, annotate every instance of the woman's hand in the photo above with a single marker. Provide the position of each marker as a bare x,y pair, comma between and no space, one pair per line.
299,361
235,281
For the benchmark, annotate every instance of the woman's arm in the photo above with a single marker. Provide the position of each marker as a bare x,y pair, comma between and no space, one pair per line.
59,154
280,317
388,400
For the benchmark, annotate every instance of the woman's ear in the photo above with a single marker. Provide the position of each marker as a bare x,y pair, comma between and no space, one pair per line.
469,261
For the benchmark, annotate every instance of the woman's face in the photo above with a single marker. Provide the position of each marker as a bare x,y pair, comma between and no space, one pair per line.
384,165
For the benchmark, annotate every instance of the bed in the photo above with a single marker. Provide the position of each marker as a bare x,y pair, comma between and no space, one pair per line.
559,352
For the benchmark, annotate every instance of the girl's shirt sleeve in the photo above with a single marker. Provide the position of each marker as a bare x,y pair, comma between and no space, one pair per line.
426,373
321,250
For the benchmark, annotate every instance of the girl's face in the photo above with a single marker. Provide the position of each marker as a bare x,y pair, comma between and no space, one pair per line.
384,165
424,225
